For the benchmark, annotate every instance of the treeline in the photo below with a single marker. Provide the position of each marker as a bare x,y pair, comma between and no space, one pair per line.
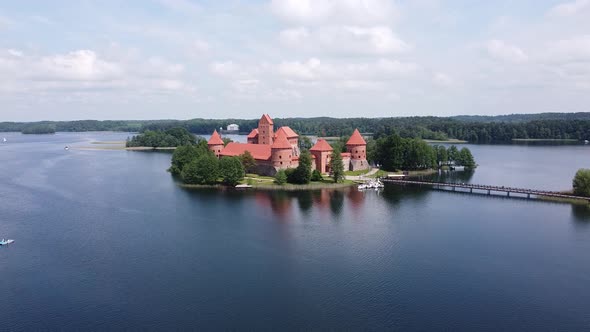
196,164
394,152
476,129
162,138
39,129
77,126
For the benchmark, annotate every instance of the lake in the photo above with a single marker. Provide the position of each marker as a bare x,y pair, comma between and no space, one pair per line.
105,240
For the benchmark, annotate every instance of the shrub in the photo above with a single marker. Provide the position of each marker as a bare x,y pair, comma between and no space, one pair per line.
281,177
316,175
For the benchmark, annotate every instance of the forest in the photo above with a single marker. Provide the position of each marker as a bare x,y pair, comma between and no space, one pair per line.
475,129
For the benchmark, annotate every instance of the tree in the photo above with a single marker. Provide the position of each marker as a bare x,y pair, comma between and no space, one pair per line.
466,159
301,174
453,154
281,177
581,182
226,141
203,170
316,175
185,154
336,166
248,162
231,170
305,143
442,157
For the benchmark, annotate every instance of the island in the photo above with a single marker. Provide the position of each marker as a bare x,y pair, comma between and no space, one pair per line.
278,159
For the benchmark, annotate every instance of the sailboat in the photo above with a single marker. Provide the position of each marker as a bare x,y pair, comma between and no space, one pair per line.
4,242
4,139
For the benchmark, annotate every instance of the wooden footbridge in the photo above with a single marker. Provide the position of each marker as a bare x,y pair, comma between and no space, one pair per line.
481,188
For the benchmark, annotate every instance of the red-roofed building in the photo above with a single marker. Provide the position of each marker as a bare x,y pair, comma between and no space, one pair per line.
279,150
260,152
357,147
253,136
215,143
322,152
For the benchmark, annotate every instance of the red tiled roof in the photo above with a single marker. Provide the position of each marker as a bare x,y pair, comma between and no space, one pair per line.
215,139
321,145
290,133
345,154
253,133
266,119
356,139
281,142
258,151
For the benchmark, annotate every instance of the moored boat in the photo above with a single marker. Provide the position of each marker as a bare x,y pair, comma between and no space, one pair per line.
4,242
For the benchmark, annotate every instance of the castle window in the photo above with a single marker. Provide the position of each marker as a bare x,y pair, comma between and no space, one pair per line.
281,162
281,157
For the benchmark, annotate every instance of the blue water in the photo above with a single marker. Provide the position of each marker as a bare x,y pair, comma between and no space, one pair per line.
105,240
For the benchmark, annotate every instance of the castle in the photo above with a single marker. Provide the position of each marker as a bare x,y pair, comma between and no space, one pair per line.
275,150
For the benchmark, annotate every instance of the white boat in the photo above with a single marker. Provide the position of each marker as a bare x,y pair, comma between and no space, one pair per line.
373,184
4,242
4,139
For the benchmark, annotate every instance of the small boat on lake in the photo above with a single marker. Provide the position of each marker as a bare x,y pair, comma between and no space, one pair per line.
4,242
4,139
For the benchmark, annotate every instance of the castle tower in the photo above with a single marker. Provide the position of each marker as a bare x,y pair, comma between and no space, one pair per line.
265,130
322,152
357,147
281,152
215,143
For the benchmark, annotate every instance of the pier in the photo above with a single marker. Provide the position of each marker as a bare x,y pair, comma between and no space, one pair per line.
485,189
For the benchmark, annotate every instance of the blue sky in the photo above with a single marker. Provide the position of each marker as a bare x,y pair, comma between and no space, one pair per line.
153,59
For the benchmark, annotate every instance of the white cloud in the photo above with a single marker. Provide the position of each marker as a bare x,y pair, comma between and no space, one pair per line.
572,49
569,8
86,70
83,65
500,50
185,6
227,68
378,40
347,12
314,69
442,79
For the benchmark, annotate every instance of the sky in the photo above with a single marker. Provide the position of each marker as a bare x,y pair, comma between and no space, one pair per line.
182,59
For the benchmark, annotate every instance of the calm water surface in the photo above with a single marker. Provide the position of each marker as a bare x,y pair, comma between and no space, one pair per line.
106,240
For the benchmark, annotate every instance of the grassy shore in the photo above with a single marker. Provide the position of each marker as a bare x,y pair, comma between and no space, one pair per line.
266,185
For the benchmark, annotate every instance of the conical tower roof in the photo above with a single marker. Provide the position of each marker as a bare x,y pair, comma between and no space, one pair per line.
356,139
215,139
281,142
321,145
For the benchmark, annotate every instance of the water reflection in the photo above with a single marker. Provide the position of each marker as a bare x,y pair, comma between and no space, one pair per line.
581,214
462,176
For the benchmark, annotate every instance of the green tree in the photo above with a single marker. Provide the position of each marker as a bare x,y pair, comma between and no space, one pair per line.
281,177
581,182
305,143
466,159
316,175
185,154
226,140
248,162
301,174
336,166
203,170
442,157
452,154
231,170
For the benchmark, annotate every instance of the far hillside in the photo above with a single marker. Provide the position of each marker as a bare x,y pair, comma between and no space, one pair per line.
475,129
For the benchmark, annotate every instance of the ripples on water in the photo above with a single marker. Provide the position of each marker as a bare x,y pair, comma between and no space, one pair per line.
106,240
